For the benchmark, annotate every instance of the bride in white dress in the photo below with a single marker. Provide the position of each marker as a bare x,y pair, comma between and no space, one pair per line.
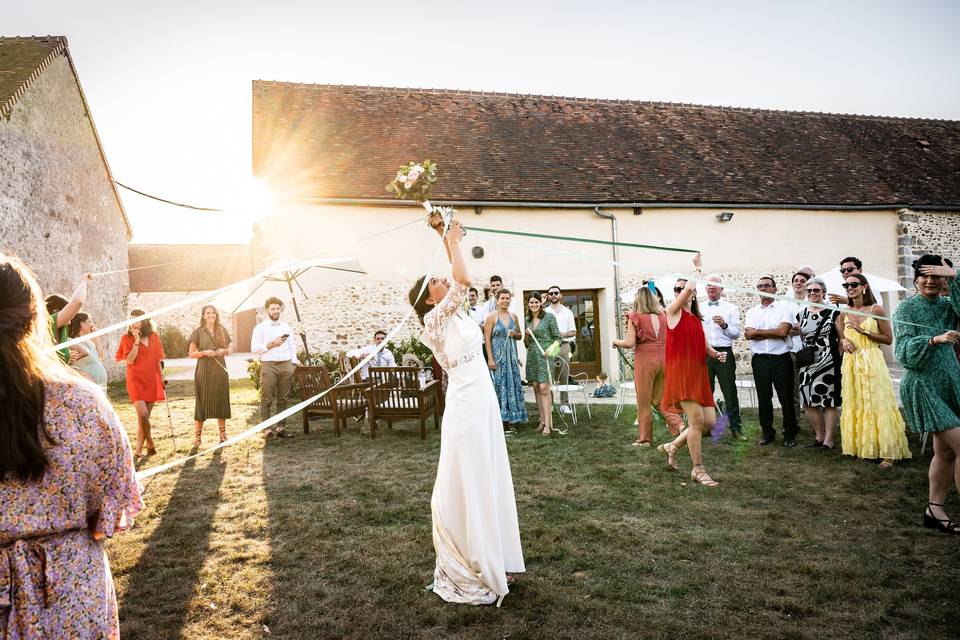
475,530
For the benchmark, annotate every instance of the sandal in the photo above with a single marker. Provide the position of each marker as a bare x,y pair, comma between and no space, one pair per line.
223,435
670,451
282,433
640,443
701,477
886,464
944,525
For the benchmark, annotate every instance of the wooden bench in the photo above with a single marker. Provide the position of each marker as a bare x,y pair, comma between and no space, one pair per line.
342,402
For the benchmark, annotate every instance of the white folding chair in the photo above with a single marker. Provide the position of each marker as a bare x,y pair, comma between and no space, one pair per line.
560,373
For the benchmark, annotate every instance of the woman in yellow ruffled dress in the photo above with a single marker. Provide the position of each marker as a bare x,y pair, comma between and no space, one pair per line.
870,422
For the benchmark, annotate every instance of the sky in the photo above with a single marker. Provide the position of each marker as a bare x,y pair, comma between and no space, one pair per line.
169,83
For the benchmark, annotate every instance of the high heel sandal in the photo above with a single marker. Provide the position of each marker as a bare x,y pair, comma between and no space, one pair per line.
670,451
944,525
196,436
223,434
703,478
540,428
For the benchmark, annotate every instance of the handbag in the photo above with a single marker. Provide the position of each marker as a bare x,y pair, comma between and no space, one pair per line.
805,356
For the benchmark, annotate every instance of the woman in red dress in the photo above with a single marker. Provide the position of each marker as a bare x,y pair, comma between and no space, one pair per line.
686,386
140,348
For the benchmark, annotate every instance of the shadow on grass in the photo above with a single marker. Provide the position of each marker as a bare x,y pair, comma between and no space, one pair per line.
176,551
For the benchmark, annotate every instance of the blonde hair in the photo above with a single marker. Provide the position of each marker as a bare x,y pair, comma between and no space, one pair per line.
646,302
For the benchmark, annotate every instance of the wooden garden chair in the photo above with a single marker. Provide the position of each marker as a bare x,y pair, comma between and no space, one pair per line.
395,394
342,402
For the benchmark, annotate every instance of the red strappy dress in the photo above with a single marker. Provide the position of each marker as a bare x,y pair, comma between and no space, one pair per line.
686,364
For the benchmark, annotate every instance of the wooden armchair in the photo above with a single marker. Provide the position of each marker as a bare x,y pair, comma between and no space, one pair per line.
395,393
342,402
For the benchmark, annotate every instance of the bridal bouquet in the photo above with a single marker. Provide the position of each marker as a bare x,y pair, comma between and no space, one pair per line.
414,181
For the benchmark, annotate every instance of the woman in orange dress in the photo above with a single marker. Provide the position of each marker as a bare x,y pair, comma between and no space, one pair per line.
140,348
646,334
686,386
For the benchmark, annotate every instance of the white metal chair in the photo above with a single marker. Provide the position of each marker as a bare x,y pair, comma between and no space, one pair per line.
560,373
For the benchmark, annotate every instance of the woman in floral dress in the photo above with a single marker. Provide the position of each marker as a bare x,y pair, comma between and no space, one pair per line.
501,330
542,331
66,481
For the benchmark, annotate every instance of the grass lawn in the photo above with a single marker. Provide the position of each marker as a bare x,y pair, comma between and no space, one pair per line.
324,537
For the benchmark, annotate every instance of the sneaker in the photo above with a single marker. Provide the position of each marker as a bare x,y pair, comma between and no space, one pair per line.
789,443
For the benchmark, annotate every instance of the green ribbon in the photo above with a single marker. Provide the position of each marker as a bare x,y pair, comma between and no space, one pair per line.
586,240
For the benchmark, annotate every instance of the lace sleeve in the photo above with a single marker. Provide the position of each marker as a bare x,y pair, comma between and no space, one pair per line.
435,322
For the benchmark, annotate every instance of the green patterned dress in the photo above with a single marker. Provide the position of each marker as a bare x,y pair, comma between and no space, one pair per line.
930,389
546,333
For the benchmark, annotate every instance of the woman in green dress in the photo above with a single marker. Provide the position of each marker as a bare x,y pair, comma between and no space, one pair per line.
209,343
541,332
925,333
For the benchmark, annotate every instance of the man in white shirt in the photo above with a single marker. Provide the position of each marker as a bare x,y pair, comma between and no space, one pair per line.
491,304
798,287
477,311
278,361
721,325
767,326
567,325
384,358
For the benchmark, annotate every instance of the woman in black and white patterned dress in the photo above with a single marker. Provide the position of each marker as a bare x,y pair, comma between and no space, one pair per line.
820,381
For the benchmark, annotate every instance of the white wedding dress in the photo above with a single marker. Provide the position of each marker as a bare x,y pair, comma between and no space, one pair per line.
475,530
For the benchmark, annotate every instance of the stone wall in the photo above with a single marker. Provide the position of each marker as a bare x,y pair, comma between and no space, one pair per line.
58,210
920,232
745,279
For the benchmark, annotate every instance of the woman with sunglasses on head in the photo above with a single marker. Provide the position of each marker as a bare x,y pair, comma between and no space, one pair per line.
686,384
820,380
476,534
925,328
870,423
541,333
646,335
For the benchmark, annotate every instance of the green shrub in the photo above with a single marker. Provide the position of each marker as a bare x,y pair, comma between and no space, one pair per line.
174,343
327,359
410,344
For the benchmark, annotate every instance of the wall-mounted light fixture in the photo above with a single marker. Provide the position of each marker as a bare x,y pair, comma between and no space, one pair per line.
637,211
477,252
724,216
478,210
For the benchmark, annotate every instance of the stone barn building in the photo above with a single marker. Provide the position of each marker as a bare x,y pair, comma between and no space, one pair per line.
802,188
59,209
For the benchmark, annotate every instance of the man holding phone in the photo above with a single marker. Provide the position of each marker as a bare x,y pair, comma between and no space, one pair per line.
278,361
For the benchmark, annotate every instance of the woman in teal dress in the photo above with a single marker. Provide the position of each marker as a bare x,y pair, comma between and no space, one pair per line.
542,331
501,330
925,333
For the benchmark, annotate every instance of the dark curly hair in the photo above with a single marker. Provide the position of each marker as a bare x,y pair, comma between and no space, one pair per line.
418,300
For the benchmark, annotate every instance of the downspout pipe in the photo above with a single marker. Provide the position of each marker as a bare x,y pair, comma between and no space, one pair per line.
616,275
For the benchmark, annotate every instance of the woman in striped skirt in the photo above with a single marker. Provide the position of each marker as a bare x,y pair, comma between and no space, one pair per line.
209,343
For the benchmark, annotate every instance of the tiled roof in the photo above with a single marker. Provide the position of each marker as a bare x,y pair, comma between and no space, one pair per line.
22,59
346,142
187,267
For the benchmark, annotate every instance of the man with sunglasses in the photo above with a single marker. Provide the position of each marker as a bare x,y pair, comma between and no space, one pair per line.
721,325
568,332
767,327
848,266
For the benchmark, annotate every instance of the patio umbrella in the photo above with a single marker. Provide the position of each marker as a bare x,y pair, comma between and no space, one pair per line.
304,278
834,282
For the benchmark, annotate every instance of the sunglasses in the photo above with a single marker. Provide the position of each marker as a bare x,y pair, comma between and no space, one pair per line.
850,285
814,290
553,293
847,269
764,286
677,289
